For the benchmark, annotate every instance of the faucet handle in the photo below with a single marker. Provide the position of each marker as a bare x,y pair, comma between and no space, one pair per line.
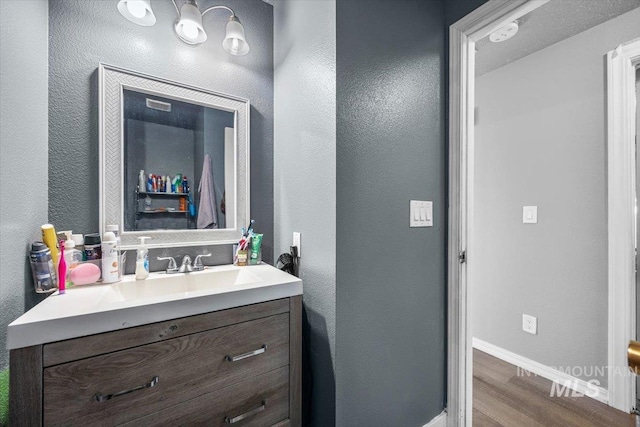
172,266
197,264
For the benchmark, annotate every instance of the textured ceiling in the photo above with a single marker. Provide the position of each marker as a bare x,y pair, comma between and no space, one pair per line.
554,21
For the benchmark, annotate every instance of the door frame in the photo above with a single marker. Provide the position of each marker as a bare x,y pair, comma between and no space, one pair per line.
621,161
462,38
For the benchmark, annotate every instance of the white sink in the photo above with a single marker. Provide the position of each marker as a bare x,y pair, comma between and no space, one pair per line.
158,286
92,309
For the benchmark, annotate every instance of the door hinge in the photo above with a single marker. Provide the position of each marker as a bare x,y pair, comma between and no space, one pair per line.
462,257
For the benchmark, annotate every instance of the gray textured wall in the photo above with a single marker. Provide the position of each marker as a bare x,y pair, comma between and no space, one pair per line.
23,152
454,10
541,140
85,32
154,148
391,279
304,172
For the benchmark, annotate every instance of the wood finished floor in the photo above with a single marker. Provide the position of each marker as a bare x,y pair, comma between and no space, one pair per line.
501,398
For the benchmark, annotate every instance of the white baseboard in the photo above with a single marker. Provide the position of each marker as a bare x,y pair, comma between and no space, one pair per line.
576,384
439,421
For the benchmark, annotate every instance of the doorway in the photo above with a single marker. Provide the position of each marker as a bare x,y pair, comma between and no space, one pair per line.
493,236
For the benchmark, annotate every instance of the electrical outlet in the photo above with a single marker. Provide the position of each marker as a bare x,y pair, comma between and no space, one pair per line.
529,324
296,242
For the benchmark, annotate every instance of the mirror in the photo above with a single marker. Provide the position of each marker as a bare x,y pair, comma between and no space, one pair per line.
174,161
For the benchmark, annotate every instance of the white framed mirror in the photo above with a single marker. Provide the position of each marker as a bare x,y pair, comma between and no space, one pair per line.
174,161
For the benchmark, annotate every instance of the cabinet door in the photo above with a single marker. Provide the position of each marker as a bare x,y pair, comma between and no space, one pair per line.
122,386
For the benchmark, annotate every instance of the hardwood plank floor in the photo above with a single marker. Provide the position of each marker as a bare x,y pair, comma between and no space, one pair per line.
501,398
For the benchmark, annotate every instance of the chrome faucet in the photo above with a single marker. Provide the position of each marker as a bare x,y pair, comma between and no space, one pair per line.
186,266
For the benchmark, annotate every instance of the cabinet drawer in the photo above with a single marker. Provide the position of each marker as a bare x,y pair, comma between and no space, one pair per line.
122,386
94,345
260,401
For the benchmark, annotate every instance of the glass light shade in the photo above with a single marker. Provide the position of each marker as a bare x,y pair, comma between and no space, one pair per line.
137,11
189,27
234,41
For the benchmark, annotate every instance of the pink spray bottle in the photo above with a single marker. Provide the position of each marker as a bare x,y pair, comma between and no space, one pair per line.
62,270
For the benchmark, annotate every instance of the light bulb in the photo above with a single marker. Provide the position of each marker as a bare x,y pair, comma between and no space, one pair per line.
137,8
235,45
190,30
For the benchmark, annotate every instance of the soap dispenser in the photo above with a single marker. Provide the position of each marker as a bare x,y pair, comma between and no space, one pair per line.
142,259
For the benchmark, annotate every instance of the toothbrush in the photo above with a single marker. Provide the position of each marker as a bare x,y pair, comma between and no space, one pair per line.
62,270
250,227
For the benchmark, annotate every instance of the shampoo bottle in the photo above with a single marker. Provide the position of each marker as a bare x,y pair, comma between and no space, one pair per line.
142,182
142,260
49,238
110,258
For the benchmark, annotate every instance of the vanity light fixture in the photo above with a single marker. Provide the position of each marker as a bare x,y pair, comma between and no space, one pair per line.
189,26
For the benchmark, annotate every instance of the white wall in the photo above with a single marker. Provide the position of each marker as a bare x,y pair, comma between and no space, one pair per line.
24,32
541,140
305,172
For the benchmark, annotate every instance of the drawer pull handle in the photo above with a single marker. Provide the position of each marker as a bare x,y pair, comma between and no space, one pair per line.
245,355
241,417
104,397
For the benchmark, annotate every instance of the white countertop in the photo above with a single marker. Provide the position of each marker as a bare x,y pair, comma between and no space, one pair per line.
93,309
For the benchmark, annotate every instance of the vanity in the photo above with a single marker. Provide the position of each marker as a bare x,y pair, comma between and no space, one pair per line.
217,347
221,346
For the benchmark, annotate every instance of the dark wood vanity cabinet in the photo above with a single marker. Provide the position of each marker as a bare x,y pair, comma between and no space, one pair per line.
240,366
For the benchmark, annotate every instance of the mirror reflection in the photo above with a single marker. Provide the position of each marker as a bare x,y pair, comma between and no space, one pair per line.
179,164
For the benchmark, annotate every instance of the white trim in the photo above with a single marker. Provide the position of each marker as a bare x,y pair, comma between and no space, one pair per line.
621,124
462,37
579,385
439,420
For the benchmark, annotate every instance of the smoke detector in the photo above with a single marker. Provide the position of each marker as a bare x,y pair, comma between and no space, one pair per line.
504,33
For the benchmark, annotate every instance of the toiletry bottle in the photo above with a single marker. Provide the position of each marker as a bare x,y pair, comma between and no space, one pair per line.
116,231
49,238
78,239
72,256
142,260
110,255
185,185
62,270
92,247
142,182
45,278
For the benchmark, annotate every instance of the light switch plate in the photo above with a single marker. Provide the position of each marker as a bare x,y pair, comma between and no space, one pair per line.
420,213
529,214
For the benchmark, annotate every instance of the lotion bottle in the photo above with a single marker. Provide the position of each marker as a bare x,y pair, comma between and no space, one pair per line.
72,256
110,258
142,259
